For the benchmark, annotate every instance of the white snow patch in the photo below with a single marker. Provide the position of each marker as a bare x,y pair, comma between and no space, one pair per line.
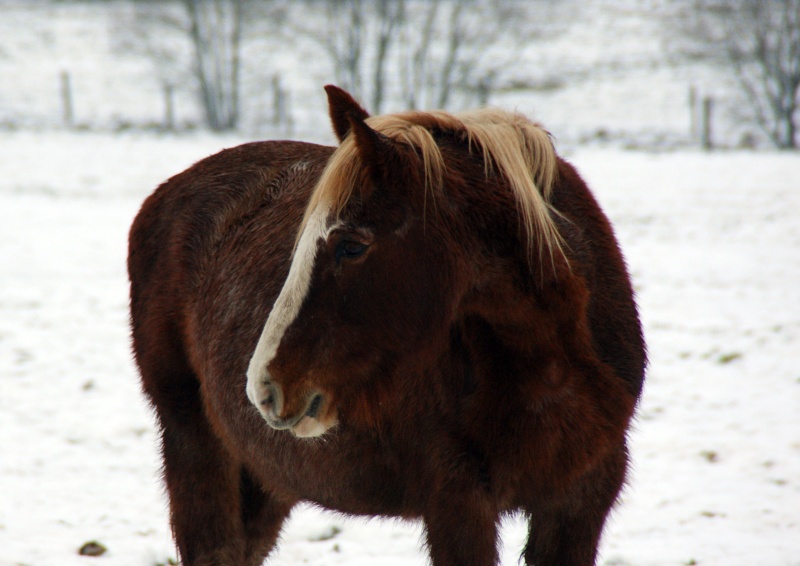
712,242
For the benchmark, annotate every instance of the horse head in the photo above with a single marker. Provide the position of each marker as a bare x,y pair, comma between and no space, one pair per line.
385,262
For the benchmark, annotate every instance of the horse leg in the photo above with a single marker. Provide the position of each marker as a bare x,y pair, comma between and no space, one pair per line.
569,532
217,513
262,516
461,530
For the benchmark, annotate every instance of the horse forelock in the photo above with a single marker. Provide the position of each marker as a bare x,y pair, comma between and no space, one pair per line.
512,146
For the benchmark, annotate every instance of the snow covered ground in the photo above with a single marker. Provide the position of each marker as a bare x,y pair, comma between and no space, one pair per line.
713,242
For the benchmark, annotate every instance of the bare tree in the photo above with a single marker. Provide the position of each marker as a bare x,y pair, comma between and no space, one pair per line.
358,38
198,44
216,33
421,52
390,16
760,41
456,48
157,31
344,39
413,68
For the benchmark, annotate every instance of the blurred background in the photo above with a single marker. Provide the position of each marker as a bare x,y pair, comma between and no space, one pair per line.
643,73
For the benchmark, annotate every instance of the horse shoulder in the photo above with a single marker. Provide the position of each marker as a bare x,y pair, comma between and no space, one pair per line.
179,228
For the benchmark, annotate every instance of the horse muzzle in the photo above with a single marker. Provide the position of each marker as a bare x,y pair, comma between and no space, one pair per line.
269,398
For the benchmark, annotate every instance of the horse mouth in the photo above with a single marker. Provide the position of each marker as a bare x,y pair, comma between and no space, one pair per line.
305,424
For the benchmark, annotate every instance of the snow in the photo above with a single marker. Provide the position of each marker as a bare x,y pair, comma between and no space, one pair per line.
712,241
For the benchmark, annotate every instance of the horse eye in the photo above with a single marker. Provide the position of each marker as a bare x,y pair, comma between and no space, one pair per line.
349,249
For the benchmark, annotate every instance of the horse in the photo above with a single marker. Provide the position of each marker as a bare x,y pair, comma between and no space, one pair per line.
431,321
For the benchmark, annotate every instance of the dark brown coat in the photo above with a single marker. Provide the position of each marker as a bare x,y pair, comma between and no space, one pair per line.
470,378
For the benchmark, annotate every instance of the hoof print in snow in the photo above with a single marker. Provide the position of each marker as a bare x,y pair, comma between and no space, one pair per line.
730,357
92,548
710,456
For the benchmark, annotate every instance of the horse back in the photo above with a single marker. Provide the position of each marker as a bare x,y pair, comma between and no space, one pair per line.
613,319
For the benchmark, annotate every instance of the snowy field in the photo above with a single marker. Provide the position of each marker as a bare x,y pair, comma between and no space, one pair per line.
713,242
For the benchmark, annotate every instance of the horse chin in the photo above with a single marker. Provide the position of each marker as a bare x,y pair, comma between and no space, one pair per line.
309,427
318,418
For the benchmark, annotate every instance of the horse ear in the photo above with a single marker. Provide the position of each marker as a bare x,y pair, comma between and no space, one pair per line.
343,109
373,146
348,119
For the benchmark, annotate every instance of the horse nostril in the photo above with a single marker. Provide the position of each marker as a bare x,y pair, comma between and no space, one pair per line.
271,400
314,407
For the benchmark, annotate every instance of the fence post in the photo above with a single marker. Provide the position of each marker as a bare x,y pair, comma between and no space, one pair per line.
705,136
169,108
278,102
693,129
287,114
66,99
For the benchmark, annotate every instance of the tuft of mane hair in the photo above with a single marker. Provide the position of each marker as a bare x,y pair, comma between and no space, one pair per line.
518,149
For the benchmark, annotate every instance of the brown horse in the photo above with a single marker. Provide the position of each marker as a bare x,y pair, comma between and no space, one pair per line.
439,303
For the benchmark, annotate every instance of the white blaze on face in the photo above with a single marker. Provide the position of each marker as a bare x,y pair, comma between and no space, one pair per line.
287,306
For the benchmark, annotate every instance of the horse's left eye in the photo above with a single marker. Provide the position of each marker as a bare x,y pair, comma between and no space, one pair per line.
348,249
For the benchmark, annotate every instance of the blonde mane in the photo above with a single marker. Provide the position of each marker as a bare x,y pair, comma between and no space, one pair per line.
515,147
